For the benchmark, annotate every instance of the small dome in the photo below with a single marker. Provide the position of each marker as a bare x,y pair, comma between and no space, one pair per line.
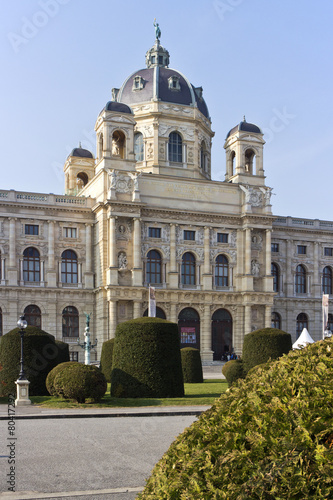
81,153
244,126
118,107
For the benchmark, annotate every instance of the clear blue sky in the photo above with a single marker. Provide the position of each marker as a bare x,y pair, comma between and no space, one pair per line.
268,60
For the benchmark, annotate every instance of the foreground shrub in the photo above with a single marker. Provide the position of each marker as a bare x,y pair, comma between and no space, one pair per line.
146,360
52,374
233,370
261,345
106,359
63,351
269,437
80,382
191,365
41,354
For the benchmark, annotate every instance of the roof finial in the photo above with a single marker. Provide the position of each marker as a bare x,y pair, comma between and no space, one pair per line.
244,119
157,30
80,145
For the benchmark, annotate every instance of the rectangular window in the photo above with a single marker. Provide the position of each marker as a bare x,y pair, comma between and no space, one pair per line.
31,229
189,235
275,247
73,356
301,249
222,237
154,232
70,232
328,252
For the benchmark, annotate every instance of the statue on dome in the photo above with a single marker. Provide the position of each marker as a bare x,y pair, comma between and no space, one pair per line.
157,30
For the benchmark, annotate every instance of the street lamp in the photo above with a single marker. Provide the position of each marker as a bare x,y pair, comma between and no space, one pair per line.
327,333
87,345
22,384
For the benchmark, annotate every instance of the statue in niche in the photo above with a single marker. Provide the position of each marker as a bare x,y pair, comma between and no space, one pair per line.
115,146
255,268
122,260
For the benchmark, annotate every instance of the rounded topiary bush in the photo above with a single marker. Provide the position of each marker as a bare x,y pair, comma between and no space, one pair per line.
269,437
106,359
261,345
146,360
40,356
52,374
80,382
191,365
233,370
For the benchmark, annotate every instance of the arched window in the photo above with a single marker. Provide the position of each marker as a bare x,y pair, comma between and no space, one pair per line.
175,148
118,144
301,322
203,157
154,267
276,275
159,313
100,146
188,269
221,271
232,161
276,320
81,180
69,267
138,146
249,161
33,316
31,264
1,327
70,322
300,279
327,280
330,322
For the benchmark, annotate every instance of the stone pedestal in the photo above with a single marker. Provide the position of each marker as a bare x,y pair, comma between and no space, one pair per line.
22,387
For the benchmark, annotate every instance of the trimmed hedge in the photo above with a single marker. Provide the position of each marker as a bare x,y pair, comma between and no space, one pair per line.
106,359
80,382
41,353
146,360
63,354
269,437
191,365
264,344
52,374
233,370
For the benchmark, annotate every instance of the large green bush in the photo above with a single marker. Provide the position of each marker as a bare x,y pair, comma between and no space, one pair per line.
261,345
80,382
146,359
233,370
41,354
191,365
269,437
106,359
52,374
63,351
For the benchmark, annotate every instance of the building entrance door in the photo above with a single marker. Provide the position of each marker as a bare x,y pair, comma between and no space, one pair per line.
221,333
189,328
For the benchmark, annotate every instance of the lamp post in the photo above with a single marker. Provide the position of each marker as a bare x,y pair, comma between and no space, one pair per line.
327,333
87,345
22,384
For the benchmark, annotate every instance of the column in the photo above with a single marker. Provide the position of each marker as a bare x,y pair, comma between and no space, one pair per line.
316,285
268,280
112,318
268,316
3,277
173,273
137,268
51,275
42,276
136,309
248,251
112,273
289,276
12,272
247,319
207,274
173,313
88,275
206,335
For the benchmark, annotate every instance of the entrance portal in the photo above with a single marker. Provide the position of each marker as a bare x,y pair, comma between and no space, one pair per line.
221,333
189,328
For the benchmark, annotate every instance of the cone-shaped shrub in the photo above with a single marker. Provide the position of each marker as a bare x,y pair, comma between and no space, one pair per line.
269,437
41,354
233,370
80,382
191,365
146,360
106,359
261,345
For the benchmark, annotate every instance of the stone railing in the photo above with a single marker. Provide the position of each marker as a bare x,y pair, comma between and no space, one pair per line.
295,222
45,199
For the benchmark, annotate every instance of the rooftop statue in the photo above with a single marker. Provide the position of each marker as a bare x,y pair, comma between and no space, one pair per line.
157,30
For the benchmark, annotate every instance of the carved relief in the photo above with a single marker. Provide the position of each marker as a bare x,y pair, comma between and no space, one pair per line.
200,236
150,151
256,241
233,238
123,230
255,268
122,260
166,251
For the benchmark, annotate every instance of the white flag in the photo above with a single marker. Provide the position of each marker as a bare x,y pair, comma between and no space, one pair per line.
325,312
152,303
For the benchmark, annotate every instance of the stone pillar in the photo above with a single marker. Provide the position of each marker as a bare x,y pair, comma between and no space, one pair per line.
268,316
248,251
173,274
112,318
247,320
137,267
317,289
206,335
12,273
268,287
207,274
173,313
289,275
112,274
89,276
136,309
51,273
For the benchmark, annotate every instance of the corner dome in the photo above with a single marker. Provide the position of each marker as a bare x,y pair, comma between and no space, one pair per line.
118,107
81,153
244,126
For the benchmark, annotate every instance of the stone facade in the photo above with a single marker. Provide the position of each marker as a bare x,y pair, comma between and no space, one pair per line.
145,211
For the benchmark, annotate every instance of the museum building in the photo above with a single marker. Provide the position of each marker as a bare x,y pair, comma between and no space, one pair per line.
145,211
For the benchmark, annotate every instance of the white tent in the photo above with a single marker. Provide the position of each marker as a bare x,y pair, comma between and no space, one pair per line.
303,339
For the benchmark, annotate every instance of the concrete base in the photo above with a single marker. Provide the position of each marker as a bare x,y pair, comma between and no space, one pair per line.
22,387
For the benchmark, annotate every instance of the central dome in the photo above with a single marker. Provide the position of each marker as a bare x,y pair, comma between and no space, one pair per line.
159,83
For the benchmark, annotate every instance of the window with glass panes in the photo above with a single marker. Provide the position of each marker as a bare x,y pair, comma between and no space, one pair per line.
33,316
189,235
188,269
301,322
31,265
70,322
328,252
69,267
300,279
301,249
70,232
154,232
221,271
31,229
275,274
138,146
222,237
175,148
154,267
327,280
274,247
276,320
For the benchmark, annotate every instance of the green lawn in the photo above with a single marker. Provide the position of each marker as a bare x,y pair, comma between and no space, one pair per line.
195,394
